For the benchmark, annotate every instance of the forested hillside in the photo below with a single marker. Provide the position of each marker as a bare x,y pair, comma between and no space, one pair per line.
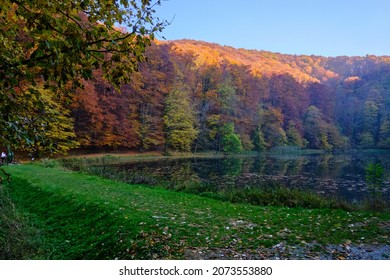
197,96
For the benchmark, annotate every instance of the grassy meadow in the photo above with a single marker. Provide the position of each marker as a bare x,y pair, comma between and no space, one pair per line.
53,213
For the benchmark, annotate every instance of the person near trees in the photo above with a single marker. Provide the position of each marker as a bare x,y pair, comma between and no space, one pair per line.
3,157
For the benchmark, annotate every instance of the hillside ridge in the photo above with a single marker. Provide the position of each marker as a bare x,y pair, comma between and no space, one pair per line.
304,68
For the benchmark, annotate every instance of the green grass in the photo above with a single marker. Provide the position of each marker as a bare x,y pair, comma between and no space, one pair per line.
80,216
19,239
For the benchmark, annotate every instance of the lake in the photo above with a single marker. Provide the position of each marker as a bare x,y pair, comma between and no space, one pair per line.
331,174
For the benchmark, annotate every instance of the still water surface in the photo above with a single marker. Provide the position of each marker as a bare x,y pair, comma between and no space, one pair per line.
341,175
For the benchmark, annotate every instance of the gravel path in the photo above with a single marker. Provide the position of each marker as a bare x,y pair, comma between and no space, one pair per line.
285,252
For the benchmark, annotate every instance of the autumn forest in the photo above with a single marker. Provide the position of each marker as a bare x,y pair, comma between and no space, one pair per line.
197,96
183,149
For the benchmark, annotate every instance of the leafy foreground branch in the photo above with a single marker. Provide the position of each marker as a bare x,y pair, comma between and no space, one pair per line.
47,50
87,217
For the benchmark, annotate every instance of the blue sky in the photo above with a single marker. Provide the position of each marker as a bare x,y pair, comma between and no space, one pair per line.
323,27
